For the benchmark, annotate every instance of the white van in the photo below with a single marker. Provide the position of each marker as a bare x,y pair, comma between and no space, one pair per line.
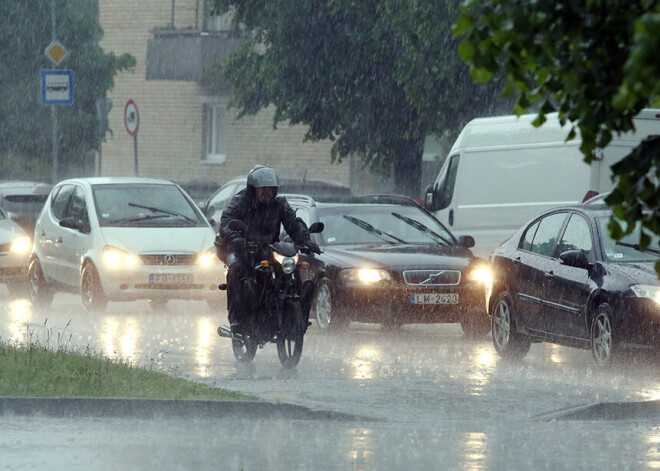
503,171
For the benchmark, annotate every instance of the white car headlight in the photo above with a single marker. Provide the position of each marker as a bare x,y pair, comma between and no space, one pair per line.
647,291
21,244
365,275
481,274
115,257
208,258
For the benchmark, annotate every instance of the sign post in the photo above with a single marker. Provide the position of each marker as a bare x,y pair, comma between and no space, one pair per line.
132,124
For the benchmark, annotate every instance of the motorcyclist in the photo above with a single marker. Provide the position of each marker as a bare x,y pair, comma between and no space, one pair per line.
264,213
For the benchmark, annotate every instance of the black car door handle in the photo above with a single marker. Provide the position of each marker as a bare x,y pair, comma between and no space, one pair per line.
549,275
516,261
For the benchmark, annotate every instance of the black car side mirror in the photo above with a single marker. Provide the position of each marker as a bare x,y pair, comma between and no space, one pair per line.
73,223
466,241
428,198
316,228
203,206
575,258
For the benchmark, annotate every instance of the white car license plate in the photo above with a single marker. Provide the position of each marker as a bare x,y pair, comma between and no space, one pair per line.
434,298
171,278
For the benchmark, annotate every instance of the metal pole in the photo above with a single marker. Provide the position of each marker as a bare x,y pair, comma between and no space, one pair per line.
173,1
136,154
54,171
100,159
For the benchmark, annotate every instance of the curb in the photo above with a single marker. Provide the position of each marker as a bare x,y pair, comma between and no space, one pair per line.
606,411
150,408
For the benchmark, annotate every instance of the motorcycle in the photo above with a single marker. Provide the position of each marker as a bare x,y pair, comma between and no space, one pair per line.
275,284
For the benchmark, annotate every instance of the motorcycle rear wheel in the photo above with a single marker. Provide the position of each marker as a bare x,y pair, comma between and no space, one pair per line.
244,350
290,345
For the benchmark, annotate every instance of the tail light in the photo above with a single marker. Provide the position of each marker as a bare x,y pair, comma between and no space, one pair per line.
590,194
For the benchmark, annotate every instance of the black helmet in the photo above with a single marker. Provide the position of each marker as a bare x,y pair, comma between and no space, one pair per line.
261,176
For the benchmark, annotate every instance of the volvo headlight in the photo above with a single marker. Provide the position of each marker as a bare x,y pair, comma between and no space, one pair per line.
21,244
115,257
647,291
288,263
208,258
365,275
481,274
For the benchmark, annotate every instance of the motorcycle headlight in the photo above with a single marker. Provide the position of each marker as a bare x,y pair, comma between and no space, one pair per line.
365,275
115,257
647,291
481,274
208,258
288,263
21,244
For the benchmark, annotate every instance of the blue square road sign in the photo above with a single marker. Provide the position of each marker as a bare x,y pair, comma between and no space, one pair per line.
56,87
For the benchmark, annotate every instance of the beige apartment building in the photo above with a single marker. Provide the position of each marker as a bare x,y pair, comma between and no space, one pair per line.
186,129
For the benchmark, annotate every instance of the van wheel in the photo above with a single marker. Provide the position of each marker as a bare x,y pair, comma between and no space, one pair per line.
91,291
40,294
508,343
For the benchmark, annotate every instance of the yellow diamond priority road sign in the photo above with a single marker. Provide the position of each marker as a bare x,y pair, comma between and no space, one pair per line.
56,52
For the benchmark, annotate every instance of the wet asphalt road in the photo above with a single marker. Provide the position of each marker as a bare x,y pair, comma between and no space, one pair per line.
440,397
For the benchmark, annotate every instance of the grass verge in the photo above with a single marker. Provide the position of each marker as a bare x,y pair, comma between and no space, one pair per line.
31,370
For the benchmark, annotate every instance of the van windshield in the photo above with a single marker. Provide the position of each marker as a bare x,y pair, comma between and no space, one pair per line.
139,205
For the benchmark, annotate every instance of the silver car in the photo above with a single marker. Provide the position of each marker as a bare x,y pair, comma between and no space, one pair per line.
15,247
122,239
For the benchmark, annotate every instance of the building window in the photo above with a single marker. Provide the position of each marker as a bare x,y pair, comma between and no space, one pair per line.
215,133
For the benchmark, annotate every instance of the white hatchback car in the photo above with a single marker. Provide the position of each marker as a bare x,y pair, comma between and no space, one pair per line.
122,239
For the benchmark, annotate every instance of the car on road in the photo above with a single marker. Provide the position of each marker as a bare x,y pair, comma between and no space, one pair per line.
562,279
122,239
15,246
23,201
319,189
387,260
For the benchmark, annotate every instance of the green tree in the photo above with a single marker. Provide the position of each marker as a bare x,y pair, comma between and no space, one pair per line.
595,62
25,124
374,76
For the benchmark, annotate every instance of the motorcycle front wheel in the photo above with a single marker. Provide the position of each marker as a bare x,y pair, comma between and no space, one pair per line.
290,343
244,350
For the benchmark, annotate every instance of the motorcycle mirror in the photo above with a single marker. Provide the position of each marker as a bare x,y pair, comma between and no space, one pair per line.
316,228
238,226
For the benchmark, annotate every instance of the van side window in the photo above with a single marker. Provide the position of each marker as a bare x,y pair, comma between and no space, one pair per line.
547,233
529,236
446,186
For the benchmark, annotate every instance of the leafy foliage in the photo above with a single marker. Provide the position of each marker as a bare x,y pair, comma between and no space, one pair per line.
375,76
594,62
26,124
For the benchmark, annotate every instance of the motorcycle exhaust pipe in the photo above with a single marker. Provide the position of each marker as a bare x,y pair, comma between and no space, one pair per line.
225,331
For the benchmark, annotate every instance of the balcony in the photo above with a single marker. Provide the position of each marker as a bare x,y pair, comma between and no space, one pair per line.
186,54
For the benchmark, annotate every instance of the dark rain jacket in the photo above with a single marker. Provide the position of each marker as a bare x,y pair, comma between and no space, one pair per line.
263,221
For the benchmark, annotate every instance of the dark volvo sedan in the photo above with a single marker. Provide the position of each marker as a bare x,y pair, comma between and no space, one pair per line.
562,279
386,260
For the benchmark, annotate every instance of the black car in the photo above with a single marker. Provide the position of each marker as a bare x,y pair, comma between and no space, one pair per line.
391,262
319,189
562,279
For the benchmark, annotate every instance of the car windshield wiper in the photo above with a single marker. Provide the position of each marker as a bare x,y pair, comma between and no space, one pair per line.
639,248
422,228
115,222
163,211
372,230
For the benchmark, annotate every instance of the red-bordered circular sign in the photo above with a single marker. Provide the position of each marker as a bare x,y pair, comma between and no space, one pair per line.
131,118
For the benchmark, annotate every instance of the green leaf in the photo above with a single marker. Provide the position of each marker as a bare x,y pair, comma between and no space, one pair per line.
466,50
481,75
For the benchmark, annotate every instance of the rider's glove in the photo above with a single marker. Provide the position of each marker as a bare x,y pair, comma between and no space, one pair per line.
239,242
313,247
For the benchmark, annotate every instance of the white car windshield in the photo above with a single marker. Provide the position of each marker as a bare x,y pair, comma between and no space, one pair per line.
381,224
139,205
627,249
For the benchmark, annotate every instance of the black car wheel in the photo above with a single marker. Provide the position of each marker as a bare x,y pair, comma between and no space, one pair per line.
40,294
244,350
322,309
91,291
601,336
508,343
